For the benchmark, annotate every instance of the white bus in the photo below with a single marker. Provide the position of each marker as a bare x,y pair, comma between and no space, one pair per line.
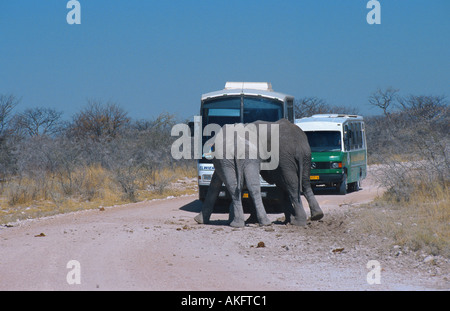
241,102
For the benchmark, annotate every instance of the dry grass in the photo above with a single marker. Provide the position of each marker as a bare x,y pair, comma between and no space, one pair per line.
85,188
420,223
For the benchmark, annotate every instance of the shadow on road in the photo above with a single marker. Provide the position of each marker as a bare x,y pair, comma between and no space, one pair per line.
194,207
272,207
221,206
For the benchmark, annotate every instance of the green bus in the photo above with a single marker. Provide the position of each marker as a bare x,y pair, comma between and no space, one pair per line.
339,152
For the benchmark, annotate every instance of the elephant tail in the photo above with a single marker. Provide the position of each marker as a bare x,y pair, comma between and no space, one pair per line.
300,177
239,171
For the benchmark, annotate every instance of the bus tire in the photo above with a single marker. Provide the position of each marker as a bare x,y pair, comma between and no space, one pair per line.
342,186
354,186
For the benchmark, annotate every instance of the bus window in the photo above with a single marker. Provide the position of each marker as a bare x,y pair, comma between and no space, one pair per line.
356,140
359,135
222,111
290,110
223,116
363,139
347,136
321,141
353,140
257,108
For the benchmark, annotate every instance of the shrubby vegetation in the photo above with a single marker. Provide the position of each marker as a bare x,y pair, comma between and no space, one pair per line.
100,156
410,141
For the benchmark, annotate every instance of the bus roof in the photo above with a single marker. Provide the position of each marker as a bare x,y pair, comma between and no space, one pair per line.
333,118
263,89
325,122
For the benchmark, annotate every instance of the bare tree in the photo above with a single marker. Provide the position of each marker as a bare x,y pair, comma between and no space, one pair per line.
308,106
384,99
7,104
37,122
431,108
343,110
99,120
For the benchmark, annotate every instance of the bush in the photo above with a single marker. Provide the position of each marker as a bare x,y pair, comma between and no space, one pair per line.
410,142
101,157
418,224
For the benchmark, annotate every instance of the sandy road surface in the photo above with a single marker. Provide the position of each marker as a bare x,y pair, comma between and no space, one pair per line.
158,246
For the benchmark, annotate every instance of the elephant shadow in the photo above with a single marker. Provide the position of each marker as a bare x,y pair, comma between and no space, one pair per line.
220,208
194,206
223,207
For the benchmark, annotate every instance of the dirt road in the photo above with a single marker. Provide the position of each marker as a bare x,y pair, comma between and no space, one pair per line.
158,246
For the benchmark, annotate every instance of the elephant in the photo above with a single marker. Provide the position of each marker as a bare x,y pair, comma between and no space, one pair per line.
290,173
233,171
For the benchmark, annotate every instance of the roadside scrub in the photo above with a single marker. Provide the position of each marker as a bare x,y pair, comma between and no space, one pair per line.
420,223
86,188
410,145
101,157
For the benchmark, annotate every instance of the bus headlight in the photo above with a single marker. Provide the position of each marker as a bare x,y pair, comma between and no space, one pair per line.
335,165
207,177
313,165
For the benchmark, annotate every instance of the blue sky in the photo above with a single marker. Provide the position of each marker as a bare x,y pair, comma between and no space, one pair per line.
160,56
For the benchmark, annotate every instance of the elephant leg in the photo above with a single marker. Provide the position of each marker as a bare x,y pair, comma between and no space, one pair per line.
292,204
231,189
252,180
299,215
236,208
287,208
211,197
233,179
316,211
299,218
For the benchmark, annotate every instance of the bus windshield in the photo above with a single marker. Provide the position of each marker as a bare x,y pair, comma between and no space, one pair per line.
321,141
227,110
